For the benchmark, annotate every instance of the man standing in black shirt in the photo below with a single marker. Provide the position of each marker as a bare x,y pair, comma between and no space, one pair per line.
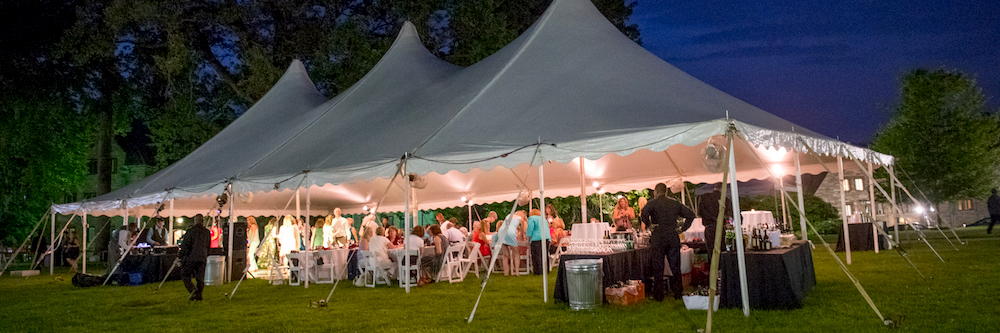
993,205
663,212
193,257
708,208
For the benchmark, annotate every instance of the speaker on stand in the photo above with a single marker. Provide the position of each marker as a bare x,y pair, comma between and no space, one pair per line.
239,258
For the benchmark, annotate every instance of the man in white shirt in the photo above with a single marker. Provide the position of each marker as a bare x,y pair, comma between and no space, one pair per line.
341,228
453,234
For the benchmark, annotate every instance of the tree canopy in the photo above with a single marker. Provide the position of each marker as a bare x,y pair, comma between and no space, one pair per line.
942,136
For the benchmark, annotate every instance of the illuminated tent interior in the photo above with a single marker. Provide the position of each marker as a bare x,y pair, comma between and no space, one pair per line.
571,86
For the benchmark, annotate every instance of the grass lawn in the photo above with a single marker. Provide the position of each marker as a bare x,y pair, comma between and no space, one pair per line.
959,295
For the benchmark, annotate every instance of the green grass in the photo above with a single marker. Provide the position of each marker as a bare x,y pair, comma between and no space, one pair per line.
959,295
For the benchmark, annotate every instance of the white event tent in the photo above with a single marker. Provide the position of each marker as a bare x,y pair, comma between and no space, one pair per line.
571,82
570,88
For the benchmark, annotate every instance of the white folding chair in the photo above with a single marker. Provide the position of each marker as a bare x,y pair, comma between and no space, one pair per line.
369,268
294,278
554,258
525,258
451,266
411,271
325,271
470,258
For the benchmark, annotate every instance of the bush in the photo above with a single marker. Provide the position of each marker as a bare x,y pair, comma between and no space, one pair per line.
827,227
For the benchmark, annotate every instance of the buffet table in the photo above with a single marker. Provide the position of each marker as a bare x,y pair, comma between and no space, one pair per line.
776,279
862,237
618,266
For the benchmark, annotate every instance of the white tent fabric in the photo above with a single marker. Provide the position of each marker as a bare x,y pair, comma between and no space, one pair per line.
571,86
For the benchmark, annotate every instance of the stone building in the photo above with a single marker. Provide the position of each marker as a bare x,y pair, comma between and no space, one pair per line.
857,200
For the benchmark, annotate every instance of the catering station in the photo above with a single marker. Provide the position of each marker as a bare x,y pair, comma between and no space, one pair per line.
779,270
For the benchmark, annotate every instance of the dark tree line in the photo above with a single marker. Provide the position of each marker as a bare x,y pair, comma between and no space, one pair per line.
80,75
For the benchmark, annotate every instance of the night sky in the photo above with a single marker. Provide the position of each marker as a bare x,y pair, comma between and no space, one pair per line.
830,66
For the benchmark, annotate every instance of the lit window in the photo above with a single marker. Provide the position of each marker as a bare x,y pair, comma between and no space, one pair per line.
846,185
965,204
859,185
847,210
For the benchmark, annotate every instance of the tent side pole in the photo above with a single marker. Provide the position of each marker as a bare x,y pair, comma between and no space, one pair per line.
871,206
583,193
738,227
84,241
800,195
892,190
545,247
308,237
922,236
843,207
407,226
784,209
52,240
229,257
170,233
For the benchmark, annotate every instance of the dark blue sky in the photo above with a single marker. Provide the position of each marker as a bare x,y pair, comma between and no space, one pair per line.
830,66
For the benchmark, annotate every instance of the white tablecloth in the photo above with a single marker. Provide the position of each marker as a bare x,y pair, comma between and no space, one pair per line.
696,231
753,218
589,230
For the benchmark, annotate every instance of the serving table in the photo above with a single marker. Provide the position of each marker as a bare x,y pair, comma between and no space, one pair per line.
862,237
617,266
776,279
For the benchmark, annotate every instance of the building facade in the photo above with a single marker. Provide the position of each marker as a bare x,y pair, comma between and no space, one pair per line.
858,201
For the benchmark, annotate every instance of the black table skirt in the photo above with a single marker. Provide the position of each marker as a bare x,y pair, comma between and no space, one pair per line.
617,267
153,267
776,279
861,238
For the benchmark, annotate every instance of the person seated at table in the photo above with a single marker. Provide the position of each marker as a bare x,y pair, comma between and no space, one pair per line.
452,234
366,236
430,265
415,241
395,240
479,236
428,238
378,245
623,215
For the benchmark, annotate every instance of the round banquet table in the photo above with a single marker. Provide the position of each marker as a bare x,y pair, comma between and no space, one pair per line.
755,217
589,230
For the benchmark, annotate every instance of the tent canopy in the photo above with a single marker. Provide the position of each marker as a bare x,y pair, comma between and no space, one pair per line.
571,86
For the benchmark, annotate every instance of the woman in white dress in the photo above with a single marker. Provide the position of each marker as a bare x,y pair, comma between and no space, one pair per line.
287,235
253,242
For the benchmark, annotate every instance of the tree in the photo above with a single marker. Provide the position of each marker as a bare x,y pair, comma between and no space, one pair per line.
43,156
942,137
43,138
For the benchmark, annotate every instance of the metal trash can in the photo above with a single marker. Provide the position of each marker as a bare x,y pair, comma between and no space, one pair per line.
215,270
585,281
